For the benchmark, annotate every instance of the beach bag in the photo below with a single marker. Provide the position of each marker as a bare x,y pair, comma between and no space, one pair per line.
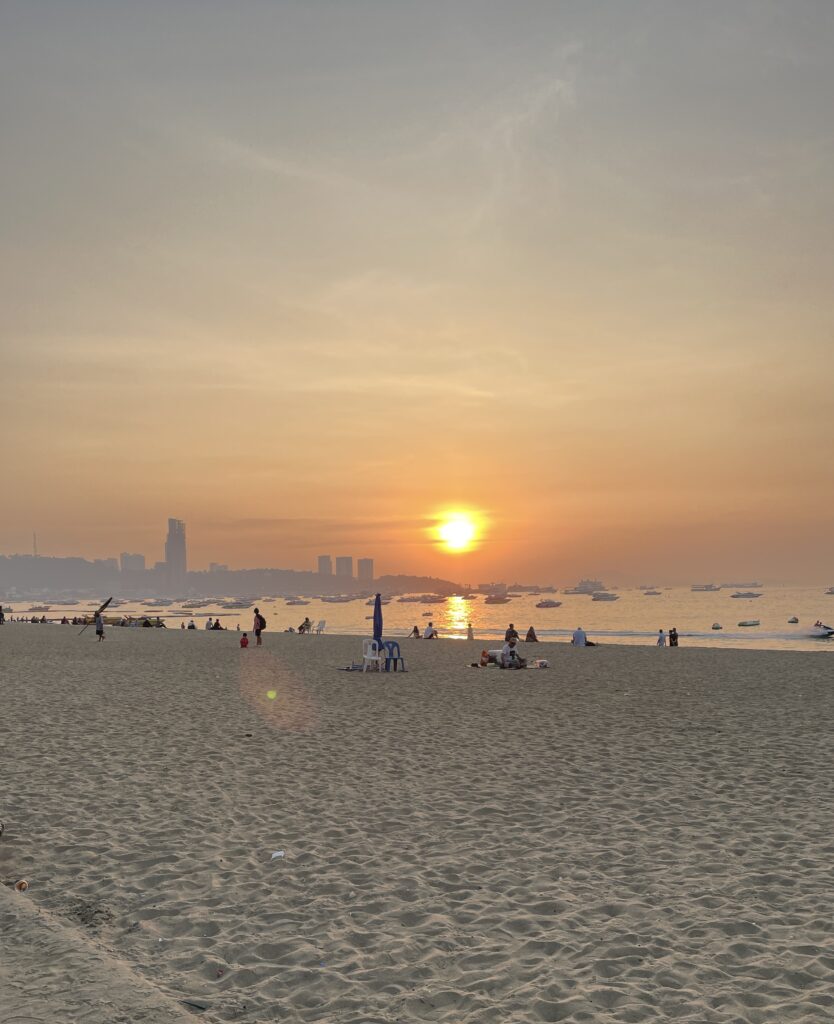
261,622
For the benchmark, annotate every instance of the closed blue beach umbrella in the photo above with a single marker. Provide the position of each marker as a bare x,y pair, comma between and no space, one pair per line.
378,618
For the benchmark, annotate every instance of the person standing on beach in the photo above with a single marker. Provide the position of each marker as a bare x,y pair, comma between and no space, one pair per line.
99,626
661,638
470,632
673,637
259,624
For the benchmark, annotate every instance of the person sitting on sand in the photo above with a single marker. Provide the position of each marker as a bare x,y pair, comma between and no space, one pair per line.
510,657
414,634
244,641
511,634
579,638
217,624
531,637
430,633
192,625
208,623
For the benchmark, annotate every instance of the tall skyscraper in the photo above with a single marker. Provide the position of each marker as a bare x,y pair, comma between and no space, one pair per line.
176,564
344,567
325,565
365,569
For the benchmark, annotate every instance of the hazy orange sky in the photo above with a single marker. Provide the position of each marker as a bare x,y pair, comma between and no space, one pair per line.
303,274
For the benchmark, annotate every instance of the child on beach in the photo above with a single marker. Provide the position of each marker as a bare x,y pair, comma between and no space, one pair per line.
244,641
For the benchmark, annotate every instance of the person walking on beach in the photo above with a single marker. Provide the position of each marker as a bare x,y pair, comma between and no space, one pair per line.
470,632
99,626
661,638
259,625
579,638
673,637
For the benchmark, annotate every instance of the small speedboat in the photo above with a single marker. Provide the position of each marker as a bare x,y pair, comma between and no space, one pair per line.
750,622
651,593
548,604
717,625
793,620
746,593
496,599
604,595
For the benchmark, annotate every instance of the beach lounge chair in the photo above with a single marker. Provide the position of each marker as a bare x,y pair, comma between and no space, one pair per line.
371,658
320,626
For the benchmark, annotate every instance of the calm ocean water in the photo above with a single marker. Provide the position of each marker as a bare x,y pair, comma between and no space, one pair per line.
633,619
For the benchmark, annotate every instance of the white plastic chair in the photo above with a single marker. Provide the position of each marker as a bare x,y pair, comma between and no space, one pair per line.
371,658
320,626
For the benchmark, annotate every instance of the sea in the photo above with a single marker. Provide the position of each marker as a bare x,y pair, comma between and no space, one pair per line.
634,618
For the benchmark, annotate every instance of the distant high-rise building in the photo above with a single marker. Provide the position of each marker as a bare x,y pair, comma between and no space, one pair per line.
176,564
325,565
131,563
344,567
365,569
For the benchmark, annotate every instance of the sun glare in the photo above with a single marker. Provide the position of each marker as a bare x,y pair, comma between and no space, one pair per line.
457,532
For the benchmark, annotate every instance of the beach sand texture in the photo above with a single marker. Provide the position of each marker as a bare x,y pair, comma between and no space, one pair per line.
631,835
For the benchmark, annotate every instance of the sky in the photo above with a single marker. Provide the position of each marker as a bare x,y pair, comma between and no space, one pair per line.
308,275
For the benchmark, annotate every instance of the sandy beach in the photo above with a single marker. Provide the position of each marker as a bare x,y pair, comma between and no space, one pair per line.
630,835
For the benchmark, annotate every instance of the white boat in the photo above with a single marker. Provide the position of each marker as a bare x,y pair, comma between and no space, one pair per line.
750,622
297,601
745,594
548,604
586,587
830,590
717,625
603,595
820,631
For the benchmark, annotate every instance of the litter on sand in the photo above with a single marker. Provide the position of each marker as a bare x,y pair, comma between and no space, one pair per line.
277,855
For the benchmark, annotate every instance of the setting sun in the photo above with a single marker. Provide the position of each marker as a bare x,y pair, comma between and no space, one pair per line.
457,532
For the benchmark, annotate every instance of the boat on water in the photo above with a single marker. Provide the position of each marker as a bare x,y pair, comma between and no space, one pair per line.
820,631
750,622
229,605
548,604
604,595
497,599
793,620
39,608
740,586
717,625
338,599
830,591
746,594
587,587
704,587
651,593
297,601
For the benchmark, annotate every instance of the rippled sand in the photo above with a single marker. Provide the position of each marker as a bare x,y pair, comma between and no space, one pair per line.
632,835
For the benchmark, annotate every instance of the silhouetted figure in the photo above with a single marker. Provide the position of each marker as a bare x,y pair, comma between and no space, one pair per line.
531,637
511,634
673,637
